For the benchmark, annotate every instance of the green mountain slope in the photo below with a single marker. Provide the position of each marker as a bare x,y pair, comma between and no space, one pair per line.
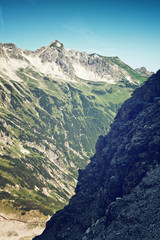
49,125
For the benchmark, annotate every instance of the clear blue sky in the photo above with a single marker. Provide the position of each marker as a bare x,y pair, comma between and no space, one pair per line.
124,28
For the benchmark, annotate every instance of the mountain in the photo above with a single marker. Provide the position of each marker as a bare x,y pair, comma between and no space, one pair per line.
54,103
117,195
143,71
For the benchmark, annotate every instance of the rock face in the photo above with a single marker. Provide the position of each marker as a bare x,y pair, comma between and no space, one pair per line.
117,195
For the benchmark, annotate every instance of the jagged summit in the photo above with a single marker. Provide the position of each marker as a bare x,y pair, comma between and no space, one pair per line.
69,65
56,44
117,195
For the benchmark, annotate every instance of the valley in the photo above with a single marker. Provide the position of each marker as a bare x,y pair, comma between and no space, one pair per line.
54,104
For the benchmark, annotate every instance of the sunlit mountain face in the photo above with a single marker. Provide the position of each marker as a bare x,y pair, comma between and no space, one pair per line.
54,103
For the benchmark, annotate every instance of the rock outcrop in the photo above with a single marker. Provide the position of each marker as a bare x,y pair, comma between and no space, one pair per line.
117,195
144,72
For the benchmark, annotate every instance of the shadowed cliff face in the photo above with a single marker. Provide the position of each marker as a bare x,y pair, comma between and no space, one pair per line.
117,195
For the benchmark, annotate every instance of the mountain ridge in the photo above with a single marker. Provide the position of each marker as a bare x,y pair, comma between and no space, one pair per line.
72,62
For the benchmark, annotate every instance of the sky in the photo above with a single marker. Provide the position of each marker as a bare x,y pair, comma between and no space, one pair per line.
124,28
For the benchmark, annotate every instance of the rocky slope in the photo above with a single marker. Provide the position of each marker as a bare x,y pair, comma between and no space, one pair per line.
54,103
117,195
143,71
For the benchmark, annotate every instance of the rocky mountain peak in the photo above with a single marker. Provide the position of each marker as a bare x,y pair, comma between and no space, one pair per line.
117,193
11,51
70,65
143,71
56,44
9,46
